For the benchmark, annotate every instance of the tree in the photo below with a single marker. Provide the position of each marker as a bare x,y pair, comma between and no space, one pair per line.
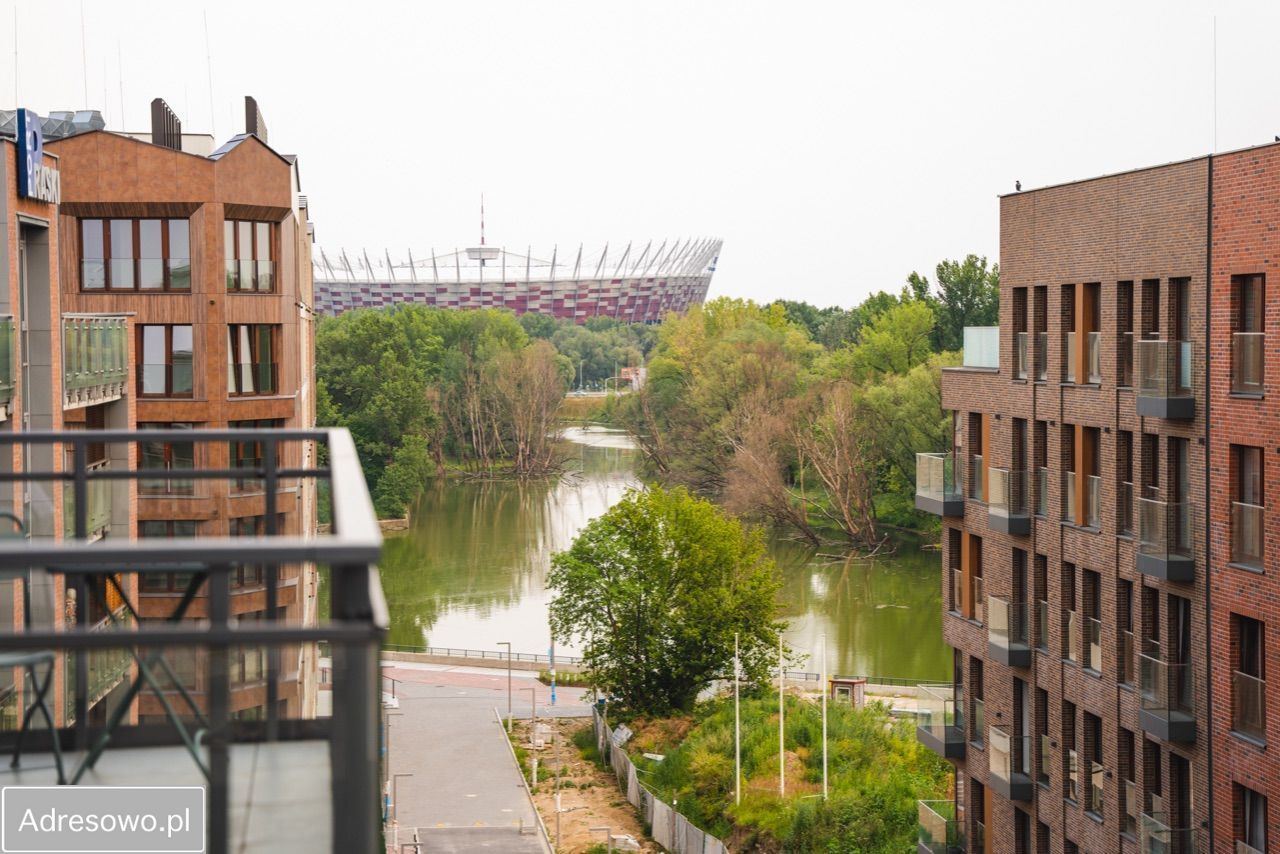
968,295
656,588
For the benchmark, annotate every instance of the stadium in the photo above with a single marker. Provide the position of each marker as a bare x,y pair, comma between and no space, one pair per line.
632,285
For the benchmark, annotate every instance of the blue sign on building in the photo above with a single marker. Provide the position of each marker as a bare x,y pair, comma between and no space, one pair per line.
35,180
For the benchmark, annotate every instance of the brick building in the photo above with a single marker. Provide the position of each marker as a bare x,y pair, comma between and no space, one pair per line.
1104,524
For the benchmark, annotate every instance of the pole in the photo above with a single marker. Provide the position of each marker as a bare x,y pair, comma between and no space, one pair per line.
737,727
782,740
825,691
559,767
533,714
507,644
551,655
395,797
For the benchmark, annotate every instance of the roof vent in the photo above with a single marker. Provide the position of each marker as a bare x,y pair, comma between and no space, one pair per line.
166,129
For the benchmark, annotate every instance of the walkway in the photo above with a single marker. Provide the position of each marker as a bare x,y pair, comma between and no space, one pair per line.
464,776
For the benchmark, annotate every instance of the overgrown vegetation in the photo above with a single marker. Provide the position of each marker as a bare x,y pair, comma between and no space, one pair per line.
877,772
809,419
656,589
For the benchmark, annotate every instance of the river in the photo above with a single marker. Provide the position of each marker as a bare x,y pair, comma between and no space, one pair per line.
470,573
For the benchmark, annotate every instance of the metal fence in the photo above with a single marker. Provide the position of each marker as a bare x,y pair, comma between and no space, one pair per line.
668,828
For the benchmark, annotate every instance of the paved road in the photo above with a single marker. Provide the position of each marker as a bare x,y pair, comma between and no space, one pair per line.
464,779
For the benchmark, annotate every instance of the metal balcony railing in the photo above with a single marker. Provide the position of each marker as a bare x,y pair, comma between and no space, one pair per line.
940,719
1020,356
95,359
1010,757
1007,632
940,832
1248,705
937,487
1247,523
100,499
1248,362
981,347
341,752
1166,379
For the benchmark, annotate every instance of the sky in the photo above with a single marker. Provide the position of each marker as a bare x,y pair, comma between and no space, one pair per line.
834,147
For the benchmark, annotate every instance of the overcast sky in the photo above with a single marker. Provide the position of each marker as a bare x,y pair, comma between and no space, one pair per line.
834,147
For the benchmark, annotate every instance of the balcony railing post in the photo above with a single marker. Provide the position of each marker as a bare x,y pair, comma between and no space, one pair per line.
219,736
354,747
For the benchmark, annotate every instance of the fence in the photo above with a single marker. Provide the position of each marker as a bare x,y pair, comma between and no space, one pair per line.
669,828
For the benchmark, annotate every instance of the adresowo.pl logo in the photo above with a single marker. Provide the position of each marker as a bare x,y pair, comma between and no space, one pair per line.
102,819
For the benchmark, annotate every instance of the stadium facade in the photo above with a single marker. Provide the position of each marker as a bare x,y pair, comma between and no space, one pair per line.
633,285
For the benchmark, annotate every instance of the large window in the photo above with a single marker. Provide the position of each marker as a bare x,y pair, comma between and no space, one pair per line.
135,254
1247,506
167,357
1251,820
1249,678
171,582
250,256
248,454
169,457
251,367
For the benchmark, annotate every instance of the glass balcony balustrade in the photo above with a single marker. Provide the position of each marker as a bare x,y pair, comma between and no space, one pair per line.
1156,837
1020,356
1164,539
1248,363
937,487
1007,632
1247,525
940,830
1248,705
940,720
981,347
1010,758
1167,697
1008,509
1166,375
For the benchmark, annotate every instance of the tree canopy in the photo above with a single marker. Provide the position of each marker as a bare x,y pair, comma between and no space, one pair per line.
656,588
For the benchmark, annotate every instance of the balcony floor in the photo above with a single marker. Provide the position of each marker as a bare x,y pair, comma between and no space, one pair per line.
280,792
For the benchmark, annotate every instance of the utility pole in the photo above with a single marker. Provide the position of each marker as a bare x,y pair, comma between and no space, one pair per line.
737,727
507,644
782,739
825,691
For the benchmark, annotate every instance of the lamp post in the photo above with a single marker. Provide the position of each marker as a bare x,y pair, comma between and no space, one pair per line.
533,714
390,715
396,795
507,644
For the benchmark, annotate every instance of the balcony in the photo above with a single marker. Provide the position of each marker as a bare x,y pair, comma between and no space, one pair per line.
940,832
1156,837
1248,363
98,494
981,347
1164,540
8,375
95,359
1007,501
1247,523
1020,356
1248,706
1007,630
1010,764
1042,356
937,489
940,720
272,784
977,486
1167,693
1165,379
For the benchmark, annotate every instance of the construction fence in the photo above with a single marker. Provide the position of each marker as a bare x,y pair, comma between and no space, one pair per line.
668,828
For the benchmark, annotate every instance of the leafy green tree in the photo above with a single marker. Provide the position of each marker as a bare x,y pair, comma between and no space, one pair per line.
894,342
968,295
656,588
410,469
538,325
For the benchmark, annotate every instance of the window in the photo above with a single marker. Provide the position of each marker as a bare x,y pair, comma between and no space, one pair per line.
166,456
1251,820
249,575
1248,364
135,254
249,255
1248,680
1071,790
167,358
248,454
172,582
978,733
1129,806
1247,506
251,369
1094,784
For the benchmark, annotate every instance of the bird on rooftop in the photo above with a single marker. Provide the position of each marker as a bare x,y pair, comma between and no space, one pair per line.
1017,185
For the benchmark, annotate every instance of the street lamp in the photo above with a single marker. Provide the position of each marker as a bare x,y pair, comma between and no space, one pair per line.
507,644
608,837
395,796
533,713
387,758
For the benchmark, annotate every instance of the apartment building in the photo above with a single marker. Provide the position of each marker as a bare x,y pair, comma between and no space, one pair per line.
147,288
1104,524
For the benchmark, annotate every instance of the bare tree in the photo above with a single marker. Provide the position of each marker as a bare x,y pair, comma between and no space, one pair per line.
837,447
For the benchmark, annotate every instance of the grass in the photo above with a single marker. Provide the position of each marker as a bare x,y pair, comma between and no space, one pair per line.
877,772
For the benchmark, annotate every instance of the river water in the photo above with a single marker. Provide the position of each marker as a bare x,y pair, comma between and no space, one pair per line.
470,573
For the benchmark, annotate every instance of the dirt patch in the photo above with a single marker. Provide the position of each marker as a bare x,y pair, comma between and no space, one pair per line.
589,795
659,736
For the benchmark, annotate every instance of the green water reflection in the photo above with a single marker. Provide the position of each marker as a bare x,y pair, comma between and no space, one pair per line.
470,573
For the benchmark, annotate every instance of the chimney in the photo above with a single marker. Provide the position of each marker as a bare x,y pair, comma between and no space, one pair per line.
253,121
166,129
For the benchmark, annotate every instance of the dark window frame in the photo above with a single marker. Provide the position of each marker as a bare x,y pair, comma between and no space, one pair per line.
167,268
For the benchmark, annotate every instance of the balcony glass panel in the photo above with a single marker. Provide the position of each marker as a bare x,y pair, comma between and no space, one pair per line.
1128,674
1020,356
938,712
1165,688
1125,510
1156,837
98,517
1008,754
1124,359
1247,521
1129,813
936,476
1248,362
1164,528
979,600
977,489
1006,623
1044,770
1073,776
1164,368
1069,497
1070,365
981,347
1007,492
979,724
939,830
1092,643
1075,639
1093,501
1093,356
1042,356
957,589
1042,491
1248,709
1042,623
1097,790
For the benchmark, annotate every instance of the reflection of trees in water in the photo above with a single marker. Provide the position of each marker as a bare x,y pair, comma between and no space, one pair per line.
480,546
882,617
